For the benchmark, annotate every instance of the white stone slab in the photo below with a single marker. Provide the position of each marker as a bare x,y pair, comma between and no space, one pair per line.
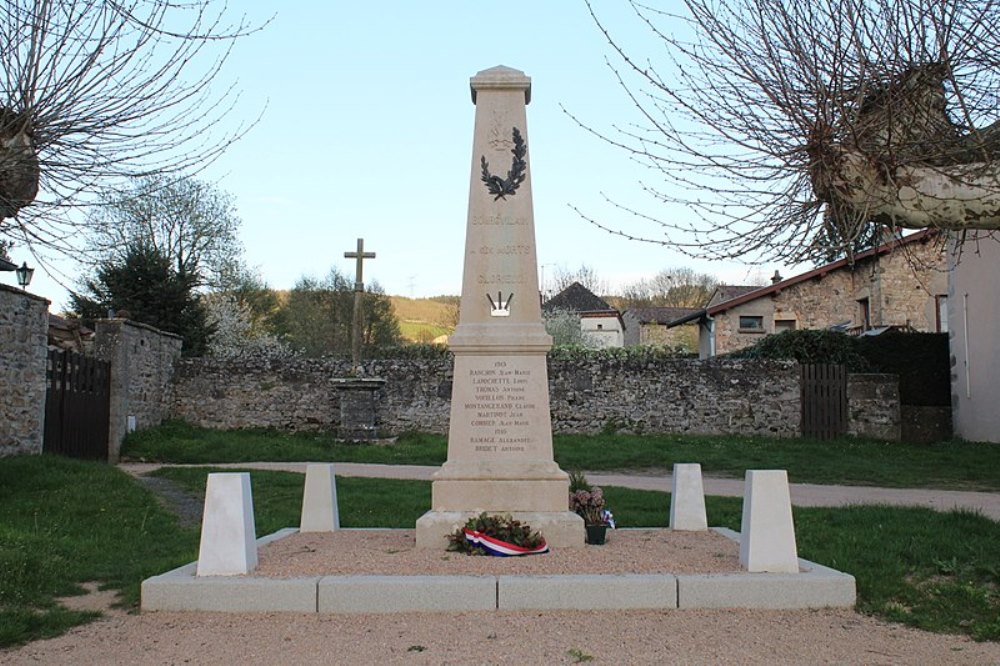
401,594
767,532
687,499
584,592
320,512
228,540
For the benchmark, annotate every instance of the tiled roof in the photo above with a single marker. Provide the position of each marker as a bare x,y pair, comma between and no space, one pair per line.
658,315
717,305
727,292
577,298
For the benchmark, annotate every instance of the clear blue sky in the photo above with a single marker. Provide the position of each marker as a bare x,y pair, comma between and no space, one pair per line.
367,132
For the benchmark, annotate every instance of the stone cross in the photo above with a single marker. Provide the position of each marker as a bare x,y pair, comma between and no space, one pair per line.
359,287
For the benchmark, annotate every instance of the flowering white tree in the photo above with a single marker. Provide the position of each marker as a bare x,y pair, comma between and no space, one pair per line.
234,334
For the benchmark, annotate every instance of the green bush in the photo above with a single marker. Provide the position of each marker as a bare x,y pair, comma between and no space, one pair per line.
810,346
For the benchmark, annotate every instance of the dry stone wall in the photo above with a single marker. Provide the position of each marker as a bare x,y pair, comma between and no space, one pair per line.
142,366
24,323
587,396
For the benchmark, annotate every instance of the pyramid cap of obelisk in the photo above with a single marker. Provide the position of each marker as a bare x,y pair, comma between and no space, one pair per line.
501,77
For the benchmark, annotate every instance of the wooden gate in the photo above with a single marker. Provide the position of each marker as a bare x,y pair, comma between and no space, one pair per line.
823,394
76,406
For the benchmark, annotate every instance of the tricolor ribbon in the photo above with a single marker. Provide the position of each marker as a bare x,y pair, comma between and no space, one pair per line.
500,548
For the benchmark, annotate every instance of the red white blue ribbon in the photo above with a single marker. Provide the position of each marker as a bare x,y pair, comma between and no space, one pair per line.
500,548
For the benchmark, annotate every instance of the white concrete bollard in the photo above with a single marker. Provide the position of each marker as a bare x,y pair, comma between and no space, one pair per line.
767,532
320,512
687,499
228,534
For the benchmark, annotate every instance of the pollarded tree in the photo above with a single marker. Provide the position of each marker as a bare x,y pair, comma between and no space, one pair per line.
798,130
92,90
191,222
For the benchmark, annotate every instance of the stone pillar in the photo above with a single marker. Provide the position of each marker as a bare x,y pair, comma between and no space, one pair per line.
142,360
500,435
687,499
228,539
767,532
24,325
320,512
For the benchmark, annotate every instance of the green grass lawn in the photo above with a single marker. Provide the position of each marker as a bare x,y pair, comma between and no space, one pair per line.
177,442
954,465
65,522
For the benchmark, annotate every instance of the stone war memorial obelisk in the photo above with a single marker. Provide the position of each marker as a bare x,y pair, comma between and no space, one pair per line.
500,434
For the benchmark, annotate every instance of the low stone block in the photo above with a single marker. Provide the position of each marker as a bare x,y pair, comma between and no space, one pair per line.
181,590
687,499
320,512
767,532
587,592
228,540
401,594
819,588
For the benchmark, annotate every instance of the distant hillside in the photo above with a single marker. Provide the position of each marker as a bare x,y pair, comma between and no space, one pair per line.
424,319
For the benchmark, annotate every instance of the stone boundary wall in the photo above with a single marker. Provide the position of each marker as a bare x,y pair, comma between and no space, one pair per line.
587,396
873,406
142,367
24,325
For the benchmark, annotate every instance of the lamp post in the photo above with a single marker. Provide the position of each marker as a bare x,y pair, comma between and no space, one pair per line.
24,274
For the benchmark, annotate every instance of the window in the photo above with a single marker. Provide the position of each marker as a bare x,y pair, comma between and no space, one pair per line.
942,313
751,324
784,325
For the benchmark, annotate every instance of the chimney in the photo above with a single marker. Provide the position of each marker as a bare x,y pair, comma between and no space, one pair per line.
776,278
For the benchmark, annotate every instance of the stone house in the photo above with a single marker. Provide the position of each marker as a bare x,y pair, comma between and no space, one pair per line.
648,326
902,283
598,321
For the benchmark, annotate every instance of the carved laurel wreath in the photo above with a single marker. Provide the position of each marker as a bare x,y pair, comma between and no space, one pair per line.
496,185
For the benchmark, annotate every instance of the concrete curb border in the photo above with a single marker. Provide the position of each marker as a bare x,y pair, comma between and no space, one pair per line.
815,586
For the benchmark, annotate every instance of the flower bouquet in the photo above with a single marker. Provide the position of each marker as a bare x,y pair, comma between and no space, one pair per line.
588,502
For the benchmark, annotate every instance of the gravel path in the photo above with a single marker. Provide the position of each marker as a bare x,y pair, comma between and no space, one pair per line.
803,494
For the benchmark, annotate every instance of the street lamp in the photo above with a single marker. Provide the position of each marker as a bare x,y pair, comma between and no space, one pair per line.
24,274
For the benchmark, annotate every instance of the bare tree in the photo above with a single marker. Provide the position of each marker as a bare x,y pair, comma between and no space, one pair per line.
585,275
91,90
796,128
672,287
191,222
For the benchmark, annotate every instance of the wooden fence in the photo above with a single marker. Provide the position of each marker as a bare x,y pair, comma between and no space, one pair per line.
824,400
76,406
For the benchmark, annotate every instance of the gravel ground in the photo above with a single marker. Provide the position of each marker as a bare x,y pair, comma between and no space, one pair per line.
501,637
390,552
564,637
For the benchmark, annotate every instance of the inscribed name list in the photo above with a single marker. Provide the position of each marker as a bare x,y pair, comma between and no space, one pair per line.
502,406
